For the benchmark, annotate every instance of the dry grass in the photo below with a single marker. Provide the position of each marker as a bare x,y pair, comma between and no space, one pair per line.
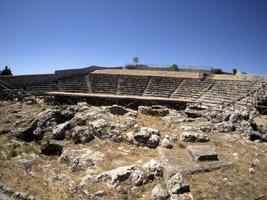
234,183
238,182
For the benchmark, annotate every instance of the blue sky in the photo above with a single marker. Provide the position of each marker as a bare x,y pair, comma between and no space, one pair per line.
40,36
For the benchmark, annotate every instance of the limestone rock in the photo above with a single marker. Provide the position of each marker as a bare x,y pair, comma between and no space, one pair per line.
225,127
82,134
193,137
116,176
192,113
202,152
177,185
158,193
99,127
184,196
153,141
206,128
257,136
155,110
166,143
148,136
129,136
60,129
137,177
154,167
244,126
129,122
117,110
80,158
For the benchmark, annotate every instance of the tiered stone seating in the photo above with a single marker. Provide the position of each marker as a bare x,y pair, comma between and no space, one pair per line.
227,92
42,88
256,96
103,83
73,84
162,86
132,85
192,89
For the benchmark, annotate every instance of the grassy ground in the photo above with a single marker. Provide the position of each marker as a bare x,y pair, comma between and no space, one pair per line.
234,183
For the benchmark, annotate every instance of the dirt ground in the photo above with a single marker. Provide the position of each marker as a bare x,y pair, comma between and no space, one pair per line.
245,180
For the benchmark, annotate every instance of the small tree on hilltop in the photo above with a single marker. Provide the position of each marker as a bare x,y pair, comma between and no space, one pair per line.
234,71
174,67
216,71
136,60
6,71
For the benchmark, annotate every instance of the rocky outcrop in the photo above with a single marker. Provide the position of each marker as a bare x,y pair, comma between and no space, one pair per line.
148,137
82,134
158,193
166,143
225,127
116,176
59,131
193,137
81,158
177,185
155,110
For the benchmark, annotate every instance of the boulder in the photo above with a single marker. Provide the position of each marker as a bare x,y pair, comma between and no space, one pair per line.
154,167
116,176
38,133
52,148
60,130
80,158
177,185
29,100
143,135
243,127
129,122
238,116
129,136
193,137
137,177
153,141
117,110
184,196
158,193
82,134
193,113
148,136
166,143
254,135
225,127
206,128
99,127
155,110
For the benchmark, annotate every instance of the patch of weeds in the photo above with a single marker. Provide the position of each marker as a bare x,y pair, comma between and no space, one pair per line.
52,157
181,145
15,146
31,149
47,140
12,153
216,143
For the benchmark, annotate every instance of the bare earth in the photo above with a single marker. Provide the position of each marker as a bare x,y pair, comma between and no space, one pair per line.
48,178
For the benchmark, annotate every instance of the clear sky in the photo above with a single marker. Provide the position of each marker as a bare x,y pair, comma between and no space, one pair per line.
40,36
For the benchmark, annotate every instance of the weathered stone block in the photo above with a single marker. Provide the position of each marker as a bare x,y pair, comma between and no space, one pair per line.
202,153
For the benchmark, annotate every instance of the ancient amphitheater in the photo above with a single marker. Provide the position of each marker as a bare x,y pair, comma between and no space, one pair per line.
113,133
219,90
